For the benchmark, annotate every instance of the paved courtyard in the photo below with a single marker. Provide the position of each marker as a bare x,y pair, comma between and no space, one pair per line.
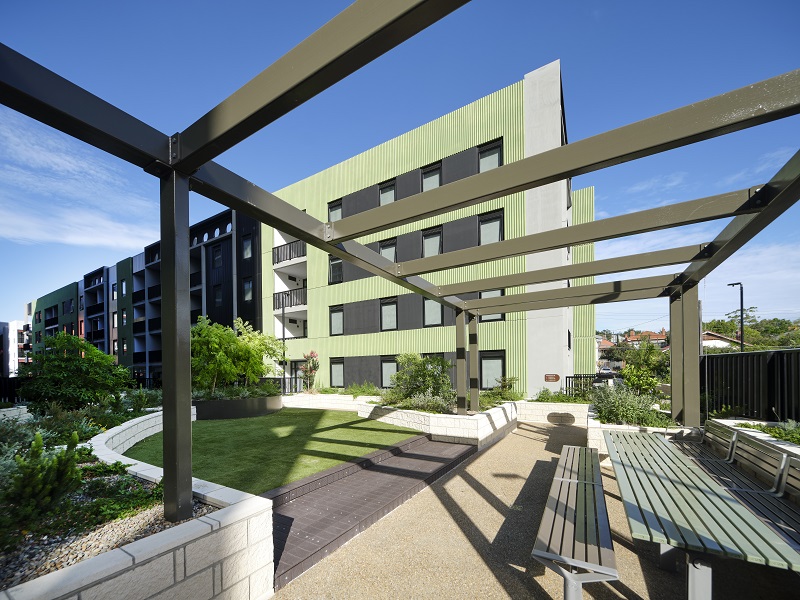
469,535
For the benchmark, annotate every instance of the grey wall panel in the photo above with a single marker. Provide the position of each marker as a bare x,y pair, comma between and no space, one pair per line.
358,369
449,317
222,276
362,317
359,201
409,312
408,184
460,234
461,165
409,246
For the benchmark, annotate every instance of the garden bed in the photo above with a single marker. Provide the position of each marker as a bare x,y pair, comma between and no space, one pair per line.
236,408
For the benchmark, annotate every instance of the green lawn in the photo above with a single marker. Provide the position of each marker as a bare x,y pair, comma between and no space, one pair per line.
259,454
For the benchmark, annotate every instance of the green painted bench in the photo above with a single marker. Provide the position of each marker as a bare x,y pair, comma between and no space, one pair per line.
574,537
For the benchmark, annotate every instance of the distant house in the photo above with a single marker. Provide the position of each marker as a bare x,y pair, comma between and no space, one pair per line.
659,339
712,339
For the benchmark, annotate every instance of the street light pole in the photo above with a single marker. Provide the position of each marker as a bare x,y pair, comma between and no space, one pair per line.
741,313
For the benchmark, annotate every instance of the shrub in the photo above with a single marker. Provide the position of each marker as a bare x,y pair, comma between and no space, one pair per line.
545,395
366,388
309,369
639,379
418,376
138,400
428,403
788,431
620,405
502,392
265,388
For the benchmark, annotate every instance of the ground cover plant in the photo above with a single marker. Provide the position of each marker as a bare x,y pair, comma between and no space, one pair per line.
561,396
788,431
261,453
620,405
503,392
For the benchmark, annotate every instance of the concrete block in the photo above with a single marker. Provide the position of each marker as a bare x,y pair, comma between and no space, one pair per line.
165,541
138,583
197,587
259,527
180,564
59,583
153,474
239,566
242,511
262,583
240,591
214,547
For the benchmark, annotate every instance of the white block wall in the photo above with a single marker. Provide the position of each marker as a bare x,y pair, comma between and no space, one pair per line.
553,412
16,412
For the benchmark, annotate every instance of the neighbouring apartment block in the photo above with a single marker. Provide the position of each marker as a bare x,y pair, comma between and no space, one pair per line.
356,322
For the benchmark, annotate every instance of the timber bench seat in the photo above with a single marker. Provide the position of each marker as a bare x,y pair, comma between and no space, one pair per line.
574,537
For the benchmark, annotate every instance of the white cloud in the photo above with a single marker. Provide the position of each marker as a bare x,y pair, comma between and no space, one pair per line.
657,185
54,189
765,167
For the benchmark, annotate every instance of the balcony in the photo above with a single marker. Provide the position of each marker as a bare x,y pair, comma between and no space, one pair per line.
295,297
139,357
95,309
96,336
138,296
24,346
154,291
51,322
194,314
295,249
155,356
196,279
139,325
154,324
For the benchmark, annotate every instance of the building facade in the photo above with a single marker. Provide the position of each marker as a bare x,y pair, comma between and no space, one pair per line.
356,322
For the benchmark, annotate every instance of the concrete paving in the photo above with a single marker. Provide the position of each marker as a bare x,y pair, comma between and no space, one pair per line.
469,535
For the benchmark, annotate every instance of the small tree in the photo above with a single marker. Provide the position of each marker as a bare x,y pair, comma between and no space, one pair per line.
253,348
417,376
310,369
214,350
71,373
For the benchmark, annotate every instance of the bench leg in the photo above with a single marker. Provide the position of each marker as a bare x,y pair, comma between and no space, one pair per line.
573,590
698,578
668,557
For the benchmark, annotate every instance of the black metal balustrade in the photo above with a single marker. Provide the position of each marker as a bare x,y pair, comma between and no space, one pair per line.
295,297
288,251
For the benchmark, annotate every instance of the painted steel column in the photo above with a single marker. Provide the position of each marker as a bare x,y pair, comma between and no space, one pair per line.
461,362
176,353
676,356
691,357
474,383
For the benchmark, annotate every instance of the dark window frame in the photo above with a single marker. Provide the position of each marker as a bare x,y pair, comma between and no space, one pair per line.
216,252
430,232
390,243
386,302
339,308
490,354
334,260
336,361
424,314
498,143
391,183
245,240
245,281
386,360
437,166
495,215
501,316
334,205
218,298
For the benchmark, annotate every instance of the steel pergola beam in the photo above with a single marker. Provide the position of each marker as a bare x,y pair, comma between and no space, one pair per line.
601,298
749,106
31,89
682,213
609,288
620,264
355,37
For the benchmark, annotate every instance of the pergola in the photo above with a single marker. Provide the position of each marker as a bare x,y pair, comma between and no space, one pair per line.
183,162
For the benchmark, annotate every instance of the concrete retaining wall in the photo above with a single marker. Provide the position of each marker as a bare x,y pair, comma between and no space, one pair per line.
553,412
16,412
227,554
326,401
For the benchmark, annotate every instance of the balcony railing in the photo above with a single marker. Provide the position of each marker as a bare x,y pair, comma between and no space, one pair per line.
154,291
288,251
94,309
138,296
295,297
96,336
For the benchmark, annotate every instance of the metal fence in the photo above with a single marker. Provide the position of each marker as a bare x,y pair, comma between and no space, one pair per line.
9,388
288,385
759,385
574,385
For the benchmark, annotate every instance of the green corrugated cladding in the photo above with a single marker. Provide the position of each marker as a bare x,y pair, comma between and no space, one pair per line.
125,332
55,298
583,319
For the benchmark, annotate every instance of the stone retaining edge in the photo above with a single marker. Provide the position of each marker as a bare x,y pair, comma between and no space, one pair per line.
228,553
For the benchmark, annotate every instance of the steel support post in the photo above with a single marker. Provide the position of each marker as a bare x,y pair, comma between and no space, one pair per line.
176,352
691,357
461,361
668,557
676,355
698,577
474,383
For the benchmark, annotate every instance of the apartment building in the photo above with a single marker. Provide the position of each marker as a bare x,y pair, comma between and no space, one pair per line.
356,322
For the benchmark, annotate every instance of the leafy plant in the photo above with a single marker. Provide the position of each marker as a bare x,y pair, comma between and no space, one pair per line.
428,403
619,404
502,392
72,374
366,388
420,376
639,378
309,369
788,431
560,396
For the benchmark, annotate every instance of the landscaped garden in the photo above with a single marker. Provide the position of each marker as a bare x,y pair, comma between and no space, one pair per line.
262,453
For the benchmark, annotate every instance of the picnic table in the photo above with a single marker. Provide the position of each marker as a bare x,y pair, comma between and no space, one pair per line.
670,500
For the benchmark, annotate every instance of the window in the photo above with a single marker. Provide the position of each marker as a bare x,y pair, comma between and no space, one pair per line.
492,294
388,249
115,348
80,327
433,312
114,320
388,368
388,314
335,274
387,193
431,177
490,228
569,340
113,291
80,303
337,320
38,337
493,367
124,289
247,247
334,210
337,372
247,292
38,317
124,347
216,254
490,157
432,242
124,317
217,295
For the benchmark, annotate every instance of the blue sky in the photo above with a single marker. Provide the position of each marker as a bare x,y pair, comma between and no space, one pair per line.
66,208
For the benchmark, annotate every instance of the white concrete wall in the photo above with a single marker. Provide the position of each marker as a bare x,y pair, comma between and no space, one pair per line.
545,209
16,412
553,412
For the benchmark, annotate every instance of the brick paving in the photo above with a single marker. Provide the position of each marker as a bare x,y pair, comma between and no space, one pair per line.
317,515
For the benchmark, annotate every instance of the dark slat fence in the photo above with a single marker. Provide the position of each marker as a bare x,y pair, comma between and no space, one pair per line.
9,387
759,385
575,384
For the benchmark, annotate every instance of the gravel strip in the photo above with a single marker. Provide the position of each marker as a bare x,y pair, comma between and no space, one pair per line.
39,555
